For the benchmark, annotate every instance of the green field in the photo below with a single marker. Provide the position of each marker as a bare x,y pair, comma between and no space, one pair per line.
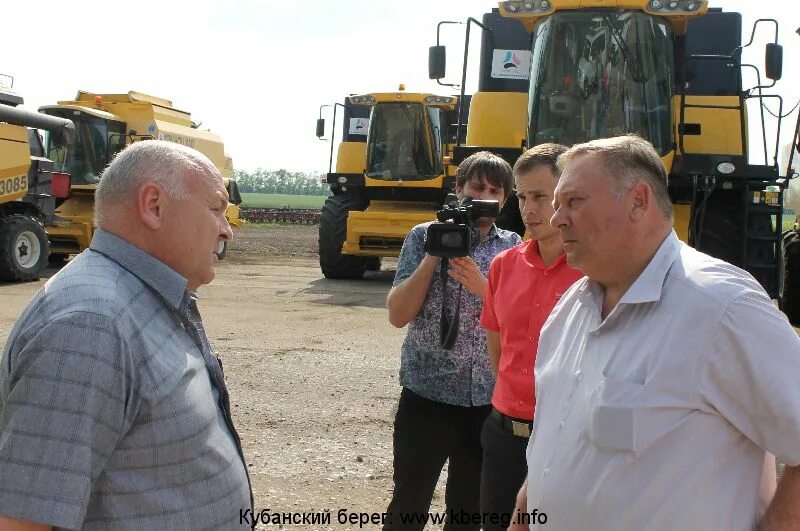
282,201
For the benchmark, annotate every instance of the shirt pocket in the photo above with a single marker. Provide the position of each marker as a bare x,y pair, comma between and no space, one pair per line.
615,416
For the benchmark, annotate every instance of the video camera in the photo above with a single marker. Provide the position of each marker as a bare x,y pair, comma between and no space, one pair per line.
455,233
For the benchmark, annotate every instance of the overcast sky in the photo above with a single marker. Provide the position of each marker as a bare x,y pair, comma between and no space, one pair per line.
255,72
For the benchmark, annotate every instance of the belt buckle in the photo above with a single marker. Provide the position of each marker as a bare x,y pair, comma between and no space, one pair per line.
520,429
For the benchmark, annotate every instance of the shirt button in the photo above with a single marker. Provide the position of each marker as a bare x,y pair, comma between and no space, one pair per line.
533,338
579,376
562,424
546,471
522,402
536,305
546,273
524,371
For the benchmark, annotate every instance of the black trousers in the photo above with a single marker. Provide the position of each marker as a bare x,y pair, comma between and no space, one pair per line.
504,471
426,434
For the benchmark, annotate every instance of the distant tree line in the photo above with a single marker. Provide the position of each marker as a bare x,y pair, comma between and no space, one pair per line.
280,182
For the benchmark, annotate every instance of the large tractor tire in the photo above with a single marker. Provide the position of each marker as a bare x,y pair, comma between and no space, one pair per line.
222,249
373,263
23,249
723,233
332,233
790,298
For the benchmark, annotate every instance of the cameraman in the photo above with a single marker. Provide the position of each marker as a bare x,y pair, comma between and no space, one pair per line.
446,394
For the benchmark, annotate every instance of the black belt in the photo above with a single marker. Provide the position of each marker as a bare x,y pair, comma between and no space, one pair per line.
520,428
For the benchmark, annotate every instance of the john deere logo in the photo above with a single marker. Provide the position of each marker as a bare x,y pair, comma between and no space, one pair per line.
511,61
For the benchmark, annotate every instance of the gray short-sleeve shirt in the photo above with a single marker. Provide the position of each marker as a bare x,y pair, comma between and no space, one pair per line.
113,410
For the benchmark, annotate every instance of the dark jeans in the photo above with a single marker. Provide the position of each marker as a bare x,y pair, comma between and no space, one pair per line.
505,468
426,434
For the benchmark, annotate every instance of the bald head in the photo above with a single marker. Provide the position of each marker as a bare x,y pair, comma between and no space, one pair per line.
164,164
168,200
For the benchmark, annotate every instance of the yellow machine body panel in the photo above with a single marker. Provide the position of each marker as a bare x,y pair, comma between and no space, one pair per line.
74,226
682,215
351,157
144,117
381,228
15,160
436,182
720,128
498,119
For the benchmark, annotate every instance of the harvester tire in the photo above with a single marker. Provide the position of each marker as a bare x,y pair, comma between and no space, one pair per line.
790,298
57,259
23,249
332,233
373,263
724,231
222,249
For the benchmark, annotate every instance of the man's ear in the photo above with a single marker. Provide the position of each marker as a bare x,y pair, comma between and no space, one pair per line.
150,205
640,200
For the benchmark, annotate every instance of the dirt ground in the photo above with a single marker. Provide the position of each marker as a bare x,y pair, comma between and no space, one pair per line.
311,365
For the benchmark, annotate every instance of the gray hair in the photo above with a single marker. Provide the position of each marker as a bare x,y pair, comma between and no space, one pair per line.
150,161
628,160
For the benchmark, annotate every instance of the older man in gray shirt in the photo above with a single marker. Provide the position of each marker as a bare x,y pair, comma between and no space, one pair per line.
113,409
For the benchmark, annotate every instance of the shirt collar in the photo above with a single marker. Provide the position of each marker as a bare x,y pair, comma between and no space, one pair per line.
157,275
647,287
531,251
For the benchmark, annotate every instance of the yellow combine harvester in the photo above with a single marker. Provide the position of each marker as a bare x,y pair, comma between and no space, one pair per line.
28,186
104,125
391,174
667,70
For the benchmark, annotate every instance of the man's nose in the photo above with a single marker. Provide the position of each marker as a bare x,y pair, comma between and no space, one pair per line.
226,233
559,219
528,207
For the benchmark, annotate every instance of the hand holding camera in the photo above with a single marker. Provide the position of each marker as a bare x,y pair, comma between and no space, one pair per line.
465,271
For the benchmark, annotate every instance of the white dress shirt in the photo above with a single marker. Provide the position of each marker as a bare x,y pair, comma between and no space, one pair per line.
660,417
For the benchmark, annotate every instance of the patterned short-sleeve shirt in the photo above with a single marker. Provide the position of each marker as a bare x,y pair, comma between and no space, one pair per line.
461,376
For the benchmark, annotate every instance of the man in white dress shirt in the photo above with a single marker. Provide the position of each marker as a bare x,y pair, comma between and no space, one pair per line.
665,379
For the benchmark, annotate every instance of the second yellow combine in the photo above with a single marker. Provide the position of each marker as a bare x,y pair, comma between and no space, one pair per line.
104,125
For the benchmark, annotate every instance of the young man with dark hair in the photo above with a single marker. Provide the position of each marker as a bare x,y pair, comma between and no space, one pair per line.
446,393
525,283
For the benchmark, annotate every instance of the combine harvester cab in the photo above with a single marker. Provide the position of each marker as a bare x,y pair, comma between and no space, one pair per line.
30,185
670,72
392,173
104,125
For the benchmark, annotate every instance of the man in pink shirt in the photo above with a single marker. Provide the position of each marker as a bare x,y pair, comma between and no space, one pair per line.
525,282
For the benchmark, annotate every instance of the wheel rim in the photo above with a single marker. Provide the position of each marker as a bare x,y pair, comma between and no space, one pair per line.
27,250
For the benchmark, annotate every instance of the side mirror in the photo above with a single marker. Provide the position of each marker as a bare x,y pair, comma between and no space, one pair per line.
320,127
774,61
437,59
